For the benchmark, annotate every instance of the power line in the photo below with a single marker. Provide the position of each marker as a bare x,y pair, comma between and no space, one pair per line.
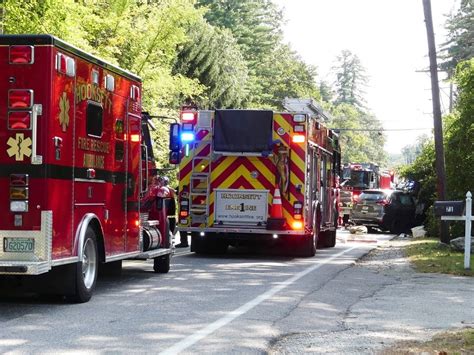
380,130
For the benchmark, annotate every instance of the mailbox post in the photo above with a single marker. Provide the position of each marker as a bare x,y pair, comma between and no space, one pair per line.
453,211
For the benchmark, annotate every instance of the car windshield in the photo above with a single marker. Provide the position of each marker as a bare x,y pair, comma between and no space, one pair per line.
372,196
406,200
358,179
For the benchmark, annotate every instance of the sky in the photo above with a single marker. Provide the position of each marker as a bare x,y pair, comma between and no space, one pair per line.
390,39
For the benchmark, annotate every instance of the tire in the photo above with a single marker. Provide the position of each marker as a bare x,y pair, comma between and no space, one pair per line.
330,241
207,245
306,245
112,269
85,272
161,264
197,244
395,226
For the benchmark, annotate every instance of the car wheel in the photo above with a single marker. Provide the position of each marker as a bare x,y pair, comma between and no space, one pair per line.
396,227
161,264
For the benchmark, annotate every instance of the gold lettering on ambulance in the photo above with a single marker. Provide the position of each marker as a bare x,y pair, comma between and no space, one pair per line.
86,91
93,161
93,145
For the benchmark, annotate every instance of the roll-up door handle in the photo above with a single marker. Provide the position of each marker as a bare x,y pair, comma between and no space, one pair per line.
35,158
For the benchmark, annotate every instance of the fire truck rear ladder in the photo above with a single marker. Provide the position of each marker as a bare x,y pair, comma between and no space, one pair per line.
200,184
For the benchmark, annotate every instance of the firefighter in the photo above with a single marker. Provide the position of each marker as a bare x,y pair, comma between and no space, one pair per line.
170,203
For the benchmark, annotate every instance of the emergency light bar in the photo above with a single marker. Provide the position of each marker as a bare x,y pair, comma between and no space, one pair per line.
189,117
187,137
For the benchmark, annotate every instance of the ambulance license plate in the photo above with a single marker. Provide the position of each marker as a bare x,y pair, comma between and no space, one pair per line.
18,245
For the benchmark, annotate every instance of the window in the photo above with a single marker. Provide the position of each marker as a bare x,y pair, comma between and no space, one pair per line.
406,200
372,196
94,119
119,129
119,151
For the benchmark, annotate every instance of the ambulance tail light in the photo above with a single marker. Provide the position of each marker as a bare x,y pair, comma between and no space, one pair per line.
19,193
297,210
299,138
22,55
19,120
20,99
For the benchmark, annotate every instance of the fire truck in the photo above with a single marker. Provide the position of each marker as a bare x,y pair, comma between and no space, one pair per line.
357,177
76,165
248,176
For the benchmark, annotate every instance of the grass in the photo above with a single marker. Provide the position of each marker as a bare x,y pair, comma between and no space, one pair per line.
428,255
453,342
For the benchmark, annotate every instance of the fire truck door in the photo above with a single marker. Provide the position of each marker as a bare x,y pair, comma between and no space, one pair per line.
312,181
133,182
324,187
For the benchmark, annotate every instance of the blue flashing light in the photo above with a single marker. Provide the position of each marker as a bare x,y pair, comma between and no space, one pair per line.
187,137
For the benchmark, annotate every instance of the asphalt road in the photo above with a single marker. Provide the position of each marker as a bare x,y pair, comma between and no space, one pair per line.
243,302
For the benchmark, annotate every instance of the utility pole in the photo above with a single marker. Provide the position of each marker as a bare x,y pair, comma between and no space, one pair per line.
438,125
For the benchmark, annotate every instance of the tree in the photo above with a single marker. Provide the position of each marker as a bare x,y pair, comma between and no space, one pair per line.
275,71
212,56
350,79
459,138
411,151
459,142
460,44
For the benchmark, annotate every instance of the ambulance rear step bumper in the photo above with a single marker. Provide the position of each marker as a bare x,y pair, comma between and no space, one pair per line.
24,268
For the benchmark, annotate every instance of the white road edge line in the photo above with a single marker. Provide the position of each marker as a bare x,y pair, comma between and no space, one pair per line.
211,328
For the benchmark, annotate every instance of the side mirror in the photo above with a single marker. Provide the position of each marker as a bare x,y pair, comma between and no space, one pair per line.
175,142
175,157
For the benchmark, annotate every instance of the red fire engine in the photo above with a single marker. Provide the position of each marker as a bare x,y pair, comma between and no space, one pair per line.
357,177
256,175
75,167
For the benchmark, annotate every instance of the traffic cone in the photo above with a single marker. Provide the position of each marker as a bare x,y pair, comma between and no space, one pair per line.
277,209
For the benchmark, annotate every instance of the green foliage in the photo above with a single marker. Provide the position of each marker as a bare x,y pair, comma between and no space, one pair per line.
212,56
459,136
428,255
350,79
411,151
459,151
459,46
362,137
356,145
275,71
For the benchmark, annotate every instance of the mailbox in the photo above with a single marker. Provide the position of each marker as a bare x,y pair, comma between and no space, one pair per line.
449,208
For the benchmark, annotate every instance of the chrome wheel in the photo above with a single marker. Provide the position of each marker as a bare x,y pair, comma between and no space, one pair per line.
89,263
